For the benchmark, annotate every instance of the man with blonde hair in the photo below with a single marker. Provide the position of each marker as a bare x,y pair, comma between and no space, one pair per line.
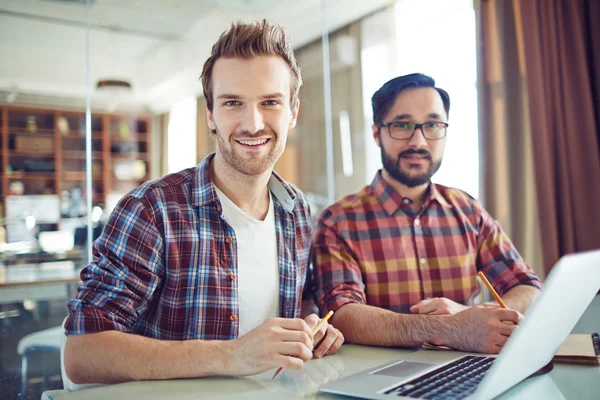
201,272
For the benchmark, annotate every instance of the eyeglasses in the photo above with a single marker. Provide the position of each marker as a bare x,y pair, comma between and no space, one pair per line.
403,130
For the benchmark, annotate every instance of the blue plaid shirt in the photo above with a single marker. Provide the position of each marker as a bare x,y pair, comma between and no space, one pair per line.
165,265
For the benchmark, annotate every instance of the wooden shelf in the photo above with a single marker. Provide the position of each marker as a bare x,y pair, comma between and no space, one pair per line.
80,176
133,137
66,150
35,154
133,156
24,131
77,135
80,154
30,175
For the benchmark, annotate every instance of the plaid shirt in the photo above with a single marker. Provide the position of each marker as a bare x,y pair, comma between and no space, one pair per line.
166,263
372,248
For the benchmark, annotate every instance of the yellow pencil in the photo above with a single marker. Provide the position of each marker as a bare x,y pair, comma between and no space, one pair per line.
491,289
317,328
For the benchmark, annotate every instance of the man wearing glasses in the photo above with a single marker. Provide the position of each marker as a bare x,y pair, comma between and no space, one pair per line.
399,259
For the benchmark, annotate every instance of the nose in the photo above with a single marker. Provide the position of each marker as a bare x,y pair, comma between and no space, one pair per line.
418,139
253,120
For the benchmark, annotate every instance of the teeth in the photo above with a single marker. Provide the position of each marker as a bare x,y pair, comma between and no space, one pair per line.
253,142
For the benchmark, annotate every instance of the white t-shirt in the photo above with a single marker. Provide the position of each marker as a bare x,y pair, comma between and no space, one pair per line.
258,269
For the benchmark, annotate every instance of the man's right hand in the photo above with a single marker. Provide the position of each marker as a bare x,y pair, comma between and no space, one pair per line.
480,329
278,342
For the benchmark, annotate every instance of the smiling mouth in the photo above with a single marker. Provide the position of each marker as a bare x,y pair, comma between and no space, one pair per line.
253,143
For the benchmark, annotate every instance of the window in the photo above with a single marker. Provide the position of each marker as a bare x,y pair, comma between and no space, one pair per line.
182,135
437,38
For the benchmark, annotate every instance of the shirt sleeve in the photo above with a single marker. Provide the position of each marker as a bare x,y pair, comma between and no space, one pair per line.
118,286
498,258
337,275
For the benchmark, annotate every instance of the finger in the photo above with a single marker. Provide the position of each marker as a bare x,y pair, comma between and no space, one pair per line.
506,329
339,341
312,320
320,335
295,349
430,307
506,314
296,337
289,362
417,306
295,324
328,341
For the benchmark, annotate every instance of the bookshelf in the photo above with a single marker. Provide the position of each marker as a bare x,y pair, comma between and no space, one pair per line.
42,151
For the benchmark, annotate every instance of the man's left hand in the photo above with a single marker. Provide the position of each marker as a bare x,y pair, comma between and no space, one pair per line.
327,340
437,306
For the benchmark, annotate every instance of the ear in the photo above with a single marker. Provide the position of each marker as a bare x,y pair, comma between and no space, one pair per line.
376,136
210,120
295,110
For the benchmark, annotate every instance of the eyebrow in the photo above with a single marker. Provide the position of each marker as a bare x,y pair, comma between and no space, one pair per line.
231,96
408,116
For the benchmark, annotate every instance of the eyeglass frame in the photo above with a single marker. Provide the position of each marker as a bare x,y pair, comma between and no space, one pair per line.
417,126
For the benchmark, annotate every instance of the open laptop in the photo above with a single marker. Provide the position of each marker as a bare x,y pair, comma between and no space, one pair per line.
567,292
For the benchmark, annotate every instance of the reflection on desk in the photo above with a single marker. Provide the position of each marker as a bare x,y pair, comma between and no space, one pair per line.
564,382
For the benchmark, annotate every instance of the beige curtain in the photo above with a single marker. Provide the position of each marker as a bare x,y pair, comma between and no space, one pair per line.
506,148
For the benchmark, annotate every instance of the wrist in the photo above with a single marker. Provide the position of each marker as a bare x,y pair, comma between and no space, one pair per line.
442,329
225,357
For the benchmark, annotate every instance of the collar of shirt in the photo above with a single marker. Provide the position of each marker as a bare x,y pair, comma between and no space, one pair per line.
391,200
203,191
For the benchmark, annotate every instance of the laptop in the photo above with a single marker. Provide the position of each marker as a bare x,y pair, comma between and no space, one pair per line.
568,290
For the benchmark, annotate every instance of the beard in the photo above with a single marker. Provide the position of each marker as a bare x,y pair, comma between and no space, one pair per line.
251,165
394,169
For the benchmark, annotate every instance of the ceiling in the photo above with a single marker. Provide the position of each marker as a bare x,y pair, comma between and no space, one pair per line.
157,45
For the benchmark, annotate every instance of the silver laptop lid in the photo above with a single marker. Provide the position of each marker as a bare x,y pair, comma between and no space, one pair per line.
567,292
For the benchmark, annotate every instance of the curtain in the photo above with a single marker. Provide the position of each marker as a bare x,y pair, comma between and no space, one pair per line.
508,189
561,39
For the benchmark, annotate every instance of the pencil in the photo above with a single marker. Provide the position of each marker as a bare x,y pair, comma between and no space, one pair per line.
317,328
491,289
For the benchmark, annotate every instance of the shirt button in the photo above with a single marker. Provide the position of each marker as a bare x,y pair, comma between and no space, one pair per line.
422,261
406,200
232,277
417,222
228,239
219,208
233,318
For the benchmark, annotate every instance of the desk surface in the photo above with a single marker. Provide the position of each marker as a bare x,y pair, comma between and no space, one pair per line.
564,382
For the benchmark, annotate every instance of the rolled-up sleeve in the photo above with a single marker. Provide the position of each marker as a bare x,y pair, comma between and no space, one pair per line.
498,258
337,275
119,285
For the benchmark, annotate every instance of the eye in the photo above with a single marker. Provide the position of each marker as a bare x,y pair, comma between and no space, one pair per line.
232,103
271,103
432,125
402,125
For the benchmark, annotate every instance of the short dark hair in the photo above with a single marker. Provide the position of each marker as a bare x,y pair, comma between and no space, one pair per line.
384,98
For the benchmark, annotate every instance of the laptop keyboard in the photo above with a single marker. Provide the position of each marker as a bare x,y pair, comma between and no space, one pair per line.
456,380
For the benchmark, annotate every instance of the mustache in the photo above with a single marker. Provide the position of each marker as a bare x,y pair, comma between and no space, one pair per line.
421,152
249,135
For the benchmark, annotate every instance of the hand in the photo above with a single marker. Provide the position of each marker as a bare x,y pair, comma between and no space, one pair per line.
480,329
328,339
437,306
278,342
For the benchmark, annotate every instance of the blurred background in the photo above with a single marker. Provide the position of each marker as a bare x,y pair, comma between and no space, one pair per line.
120,79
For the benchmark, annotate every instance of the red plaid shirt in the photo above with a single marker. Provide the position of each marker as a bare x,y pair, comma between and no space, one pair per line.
166,267
372,248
